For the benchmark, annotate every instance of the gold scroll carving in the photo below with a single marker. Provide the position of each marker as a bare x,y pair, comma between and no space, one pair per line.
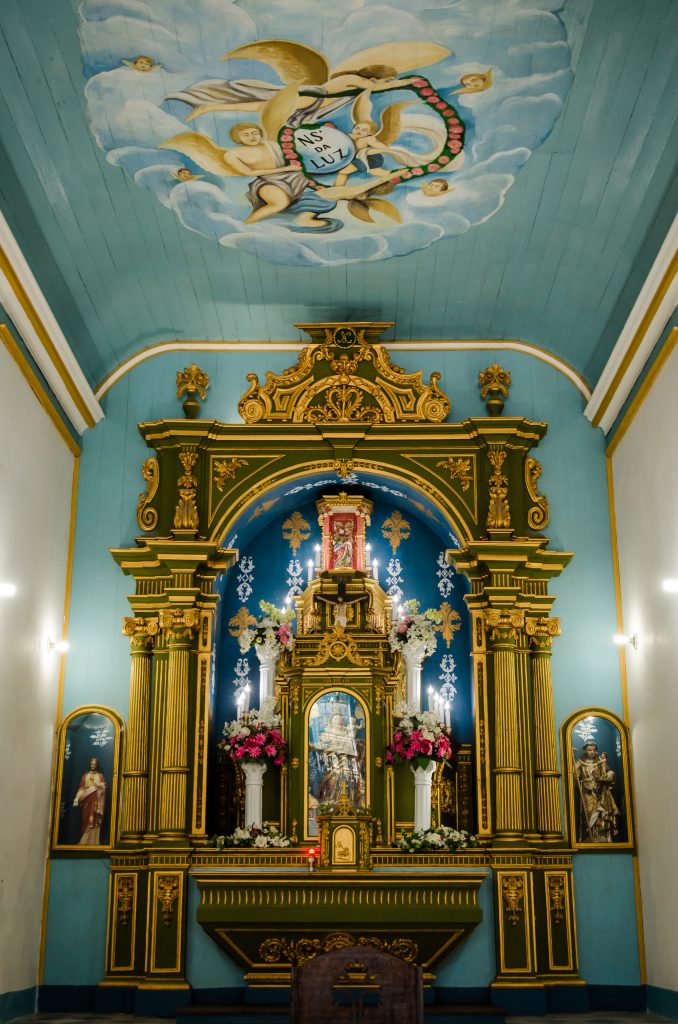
299,951
147,518
538,515
513,893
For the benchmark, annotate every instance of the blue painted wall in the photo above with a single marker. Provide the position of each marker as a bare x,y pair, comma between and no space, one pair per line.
585,664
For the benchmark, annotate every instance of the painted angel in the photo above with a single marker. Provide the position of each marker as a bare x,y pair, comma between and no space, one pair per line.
310,85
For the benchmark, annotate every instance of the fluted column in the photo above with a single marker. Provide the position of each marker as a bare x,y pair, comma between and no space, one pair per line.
508,816
549,821
135,773
180,625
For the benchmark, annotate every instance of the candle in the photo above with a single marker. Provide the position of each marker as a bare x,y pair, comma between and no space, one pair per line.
311,857
246,700
368,553
394,612
239,704
310,569
431,698
375,570
317,556
448,715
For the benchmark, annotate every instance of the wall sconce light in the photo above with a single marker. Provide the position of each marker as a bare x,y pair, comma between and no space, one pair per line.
623,640
312,858
60,646
670,586
7,589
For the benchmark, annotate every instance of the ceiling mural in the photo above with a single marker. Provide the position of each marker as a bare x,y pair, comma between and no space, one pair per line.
364,133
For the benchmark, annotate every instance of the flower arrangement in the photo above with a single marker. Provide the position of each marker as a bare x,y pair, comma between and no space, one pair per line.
439,840
415,627
255,739
257,838
418,737
272,632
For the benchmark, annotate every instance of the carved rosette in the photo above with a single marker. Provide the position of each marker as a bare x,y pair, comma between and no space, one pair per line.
513,894
337,646
168,890
147,518
499,513
186,514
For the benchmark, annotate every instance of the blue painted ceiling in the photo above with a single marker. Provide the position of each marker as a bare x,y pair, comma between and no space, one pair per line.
558,265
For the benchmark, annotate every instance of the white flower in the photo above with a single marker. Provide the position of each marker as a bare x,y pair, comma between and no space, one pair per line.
244,731
406,724
261,841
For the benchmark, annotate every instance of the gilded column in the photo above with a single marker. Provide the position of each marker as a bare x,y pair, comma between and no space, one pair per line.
549,822
525,731
180,625
135,774
503,627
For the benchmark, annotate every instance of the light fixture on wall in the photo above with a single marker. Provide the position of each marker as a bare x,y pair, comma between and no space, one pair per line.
623,640
60,646
670,586
7,589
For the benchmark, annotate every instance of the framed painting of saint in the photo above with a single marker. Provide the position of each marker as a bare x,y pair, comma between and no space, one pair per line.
596,771
86,797
337,754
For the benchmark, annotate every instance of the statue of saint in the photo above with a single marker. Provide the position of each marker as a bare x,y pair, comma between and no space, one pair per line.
91,799
598,811
342,544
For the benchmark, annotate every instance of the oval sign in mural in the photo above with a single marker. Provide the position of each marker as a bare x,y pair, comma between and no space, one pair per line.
369,135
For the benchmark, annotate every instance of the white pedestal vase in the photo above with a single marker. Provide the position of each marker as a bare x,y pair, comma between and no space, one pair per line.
423,778
413,656
254,788
268,659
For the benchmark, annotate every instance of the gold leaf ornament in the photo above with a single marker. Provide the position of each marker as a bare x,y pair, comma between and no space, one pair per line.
241,621
395,529
226,469
450,622
295,529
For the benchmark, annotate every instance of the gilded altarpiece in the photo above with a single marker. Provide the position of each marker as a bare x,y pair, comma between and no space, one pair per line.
343,408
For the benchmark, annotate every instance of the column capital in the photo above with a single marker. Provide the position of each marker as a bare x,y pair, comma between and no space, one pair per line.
179,623
141,631
541,632
504,624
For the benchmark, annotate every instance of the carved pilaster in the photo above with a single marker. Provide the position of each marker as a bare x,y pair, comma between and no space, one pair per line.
541,632
498,512
180,626
503,627
186,513
142,633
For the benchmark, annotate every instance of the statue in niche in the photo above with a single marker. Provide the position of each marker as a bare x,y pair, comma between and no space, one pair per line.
91,799
598,811
336,746
342,544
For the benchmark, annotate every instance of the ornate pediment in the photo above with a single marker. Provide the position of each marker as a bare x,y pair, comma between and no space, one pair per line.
344,376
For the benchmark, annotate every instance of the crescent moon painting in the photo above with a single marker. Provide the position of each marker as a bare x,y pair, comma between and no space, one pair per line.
362,135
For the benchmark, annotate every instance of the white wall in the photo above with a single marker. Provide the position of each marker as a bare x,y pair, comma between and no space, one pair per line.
36,472
645,469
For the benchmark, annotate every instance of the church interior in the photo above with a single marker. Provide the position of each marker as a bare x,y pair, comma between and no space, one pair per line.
339,560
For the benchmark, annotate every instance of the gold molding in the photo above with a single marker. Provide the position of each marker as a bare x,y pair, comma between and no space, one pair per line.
425,345
38,389
43,334
643,391
538,515
636,341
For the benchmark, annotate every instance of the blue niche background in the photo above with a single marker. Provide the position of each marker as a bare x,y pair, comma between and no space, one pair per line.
269,569
88,736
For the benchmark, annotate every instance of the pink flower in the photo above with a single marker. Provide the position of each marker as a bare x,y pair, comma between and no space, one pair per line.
442,105
417,170
402,628
434,167
427,92
419,81
443,159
